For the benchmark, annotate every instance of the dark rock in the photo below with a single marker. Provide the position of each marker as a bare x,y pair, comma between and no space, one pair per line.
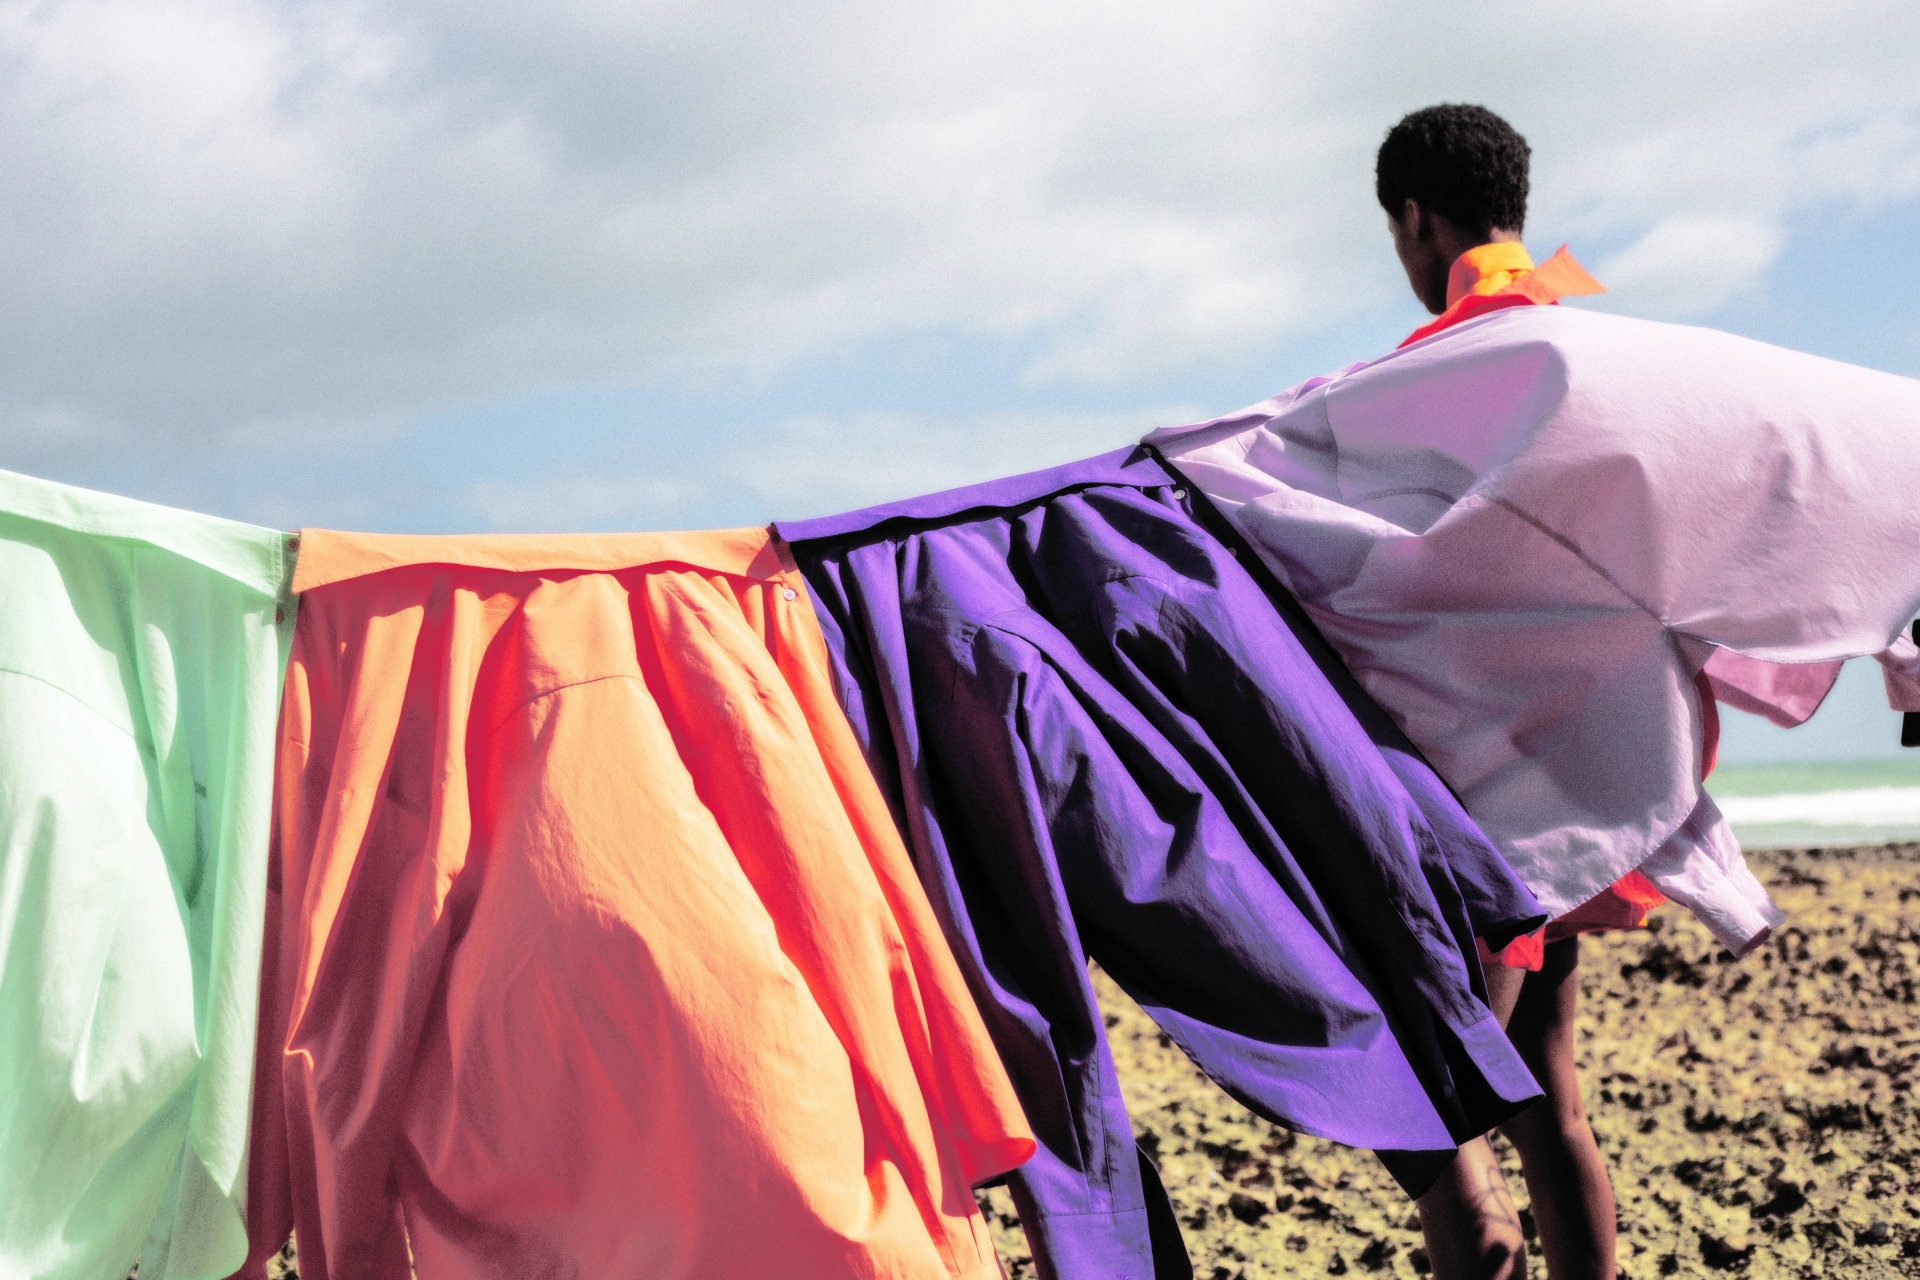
1315,1208
1247,1209
1721,1252
1694,1172
1261,1177
1231,1157
1378,1253
1837,1115
1787,1198
1878,1233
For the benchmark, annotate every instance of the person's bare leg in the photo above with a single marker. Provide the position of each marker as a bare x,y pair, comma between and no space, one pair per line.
1572,1199
1467,1217
1471,1227
1503,991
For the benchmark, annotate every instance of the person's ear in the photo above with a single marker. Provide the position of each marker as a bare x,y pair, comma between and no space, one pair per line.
1419,226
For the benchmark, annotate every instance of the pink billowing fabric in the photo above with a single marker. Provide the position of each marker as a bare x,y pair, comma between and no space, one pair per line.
1527,533
1786,693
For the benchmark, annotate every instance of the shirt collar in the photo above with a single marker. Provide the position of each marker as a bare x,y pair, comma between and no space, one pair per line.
328,555
1510,281
1134,467
246,553
1487,269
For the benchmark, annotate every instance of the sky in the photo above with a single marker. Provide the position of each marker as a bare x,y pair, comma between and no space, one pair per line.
431,267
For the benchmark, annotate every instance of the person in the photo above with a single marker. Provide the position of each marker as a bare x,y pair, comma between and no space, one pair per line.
1547,540
1453,180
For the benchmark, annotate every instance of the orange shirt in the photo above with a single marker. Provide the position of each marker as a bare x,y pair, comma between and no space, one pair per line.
592,947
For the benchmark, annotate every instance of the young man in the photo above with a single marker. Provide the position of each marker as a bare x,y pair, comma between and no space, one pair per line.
1453,182
1546,539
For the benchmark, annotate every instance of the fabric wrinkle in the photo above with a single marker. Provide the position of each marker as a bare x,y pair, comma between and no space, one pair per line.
1735,496
1047,673
132,875
640,909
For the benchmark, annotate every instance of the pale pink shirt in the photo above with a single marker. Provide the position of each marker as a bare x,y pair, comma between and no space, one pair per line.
1527,533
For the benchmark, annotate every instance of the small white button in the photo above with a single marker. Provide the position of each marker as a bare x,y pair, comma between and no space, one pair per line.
1234,552
1179,495
790,594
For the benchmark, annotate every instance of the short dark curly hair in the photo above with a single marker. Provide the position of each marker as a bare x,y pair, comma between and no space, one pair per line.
1459,160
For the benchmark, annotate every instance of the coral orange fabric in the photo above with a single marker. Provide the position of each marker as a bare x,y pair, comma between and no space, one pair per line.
1489,277
593,949
1624,904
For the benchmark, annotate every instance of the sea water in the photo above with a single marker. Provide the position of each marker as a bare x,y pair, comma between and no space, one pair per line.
1825,803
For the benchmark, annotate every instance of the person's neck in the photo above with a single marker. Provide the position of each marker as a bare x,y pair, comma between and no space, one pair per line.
1452,241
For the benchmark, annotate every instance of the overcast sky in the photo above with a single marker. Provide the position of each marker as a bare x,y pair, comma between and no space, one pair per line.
438,267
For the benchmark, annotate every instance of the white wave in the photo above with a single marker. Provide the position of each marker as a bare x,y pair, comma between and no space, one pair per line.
1864,807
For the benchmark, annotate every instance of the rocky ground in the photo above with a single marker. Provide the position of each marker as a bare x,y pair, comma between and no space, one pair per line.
1758,1115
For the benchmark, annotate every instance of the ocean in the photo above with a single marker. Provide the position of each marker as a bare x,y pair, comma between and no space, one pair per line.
1827,803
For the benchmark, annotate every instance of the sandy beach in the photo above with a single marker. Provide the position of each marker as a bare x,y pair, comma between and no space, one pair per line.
1758,1115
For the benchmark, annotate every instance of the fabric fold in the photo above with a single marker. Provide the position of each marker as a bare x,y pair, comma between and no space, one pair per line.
1104,737
140,658
1526,535
595,950
1703,870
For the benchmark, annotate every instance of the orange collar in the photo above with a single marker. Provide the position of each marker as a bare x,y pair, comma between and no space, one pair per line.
328,556
1487,269
1490,277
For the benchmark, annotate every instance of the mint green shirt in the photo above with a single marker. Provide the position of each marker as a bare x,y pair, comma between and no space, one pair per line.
141,655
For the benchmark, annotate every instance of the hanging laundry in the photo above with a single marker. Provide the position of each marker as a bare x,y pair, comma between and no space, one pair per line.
1104,738
140,658
592,950
1527,534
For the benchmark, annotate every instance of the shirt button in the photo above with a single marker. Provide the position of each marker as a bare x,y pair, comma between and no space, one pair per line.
279,616
789,594
1179,495
1234,552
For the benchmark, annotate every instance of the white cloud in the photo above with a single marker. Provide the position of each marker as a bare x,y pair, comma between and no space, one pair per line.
1685,268
338,218
581,500
811,465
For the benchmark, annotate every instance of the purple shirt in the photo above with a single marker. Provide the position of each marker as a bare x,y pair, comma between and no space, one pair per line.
1104,737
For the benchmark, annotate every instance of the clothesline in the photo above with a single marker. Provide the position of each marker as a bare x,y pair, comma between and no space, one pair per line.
520,779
